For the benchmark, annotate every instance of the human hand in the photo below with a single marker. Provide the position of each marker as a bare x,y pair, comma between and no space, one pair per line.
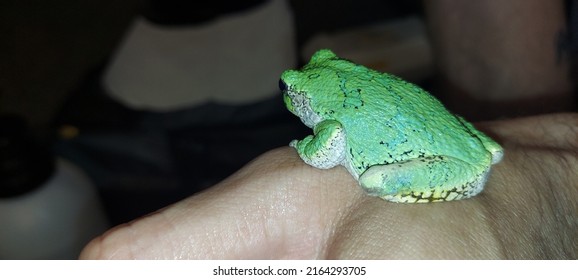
277,207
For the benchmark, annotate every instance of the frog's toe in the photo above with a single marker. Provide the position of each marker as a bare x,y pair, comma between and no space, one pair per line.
497,156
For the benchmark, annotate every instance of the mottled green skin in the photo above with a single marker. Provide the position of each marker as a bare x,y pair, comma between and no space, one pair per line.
396,139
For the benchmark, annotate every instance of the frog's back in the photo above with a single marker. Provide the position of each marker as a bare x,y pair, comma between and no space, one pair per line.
400,120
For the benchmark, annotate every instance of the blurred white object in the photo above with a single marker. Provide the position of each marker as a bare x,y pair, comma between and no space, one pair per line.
53,221
234,59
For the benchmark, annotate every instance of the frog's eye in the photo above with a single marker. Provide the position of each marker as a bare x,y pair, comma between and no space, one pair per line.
282,85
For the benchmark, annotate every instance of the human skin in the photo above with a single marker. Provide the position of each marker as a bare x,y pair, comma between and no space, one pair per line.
277,207
502,58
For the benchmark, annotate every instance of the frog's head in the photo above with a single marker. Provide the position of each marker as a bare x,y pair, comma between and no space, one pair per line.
307,91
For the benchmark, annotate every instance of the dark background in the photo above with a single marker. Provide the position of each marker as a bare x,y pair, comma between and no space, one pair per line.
52,53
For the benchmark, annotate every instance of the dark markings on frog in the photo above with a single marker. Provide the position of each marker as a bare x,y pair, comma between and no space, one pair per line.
313,76
430,198
406,153
352,98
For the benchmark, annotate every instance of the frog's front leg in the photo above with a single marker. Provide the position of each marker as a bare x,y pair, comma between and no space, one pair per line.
326,148
428,179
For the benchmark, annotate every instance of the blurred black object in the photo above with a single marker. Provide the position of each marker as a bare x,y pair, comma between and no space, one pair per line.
25,161
187,12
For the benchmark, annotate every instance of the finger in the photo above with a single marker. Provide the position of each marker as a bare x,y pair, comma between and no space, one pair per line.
275,207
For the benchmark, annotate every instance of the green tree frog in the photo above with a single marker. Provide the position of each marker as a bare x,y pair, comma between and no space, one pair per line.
398,141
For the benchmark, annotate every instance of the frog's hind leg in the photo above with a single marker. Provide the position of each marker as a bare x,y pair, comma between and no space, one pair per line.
428,179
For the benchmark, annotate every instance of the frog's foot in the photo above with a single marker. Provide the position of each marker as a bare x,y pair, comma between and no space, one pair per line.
326,148
430,179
